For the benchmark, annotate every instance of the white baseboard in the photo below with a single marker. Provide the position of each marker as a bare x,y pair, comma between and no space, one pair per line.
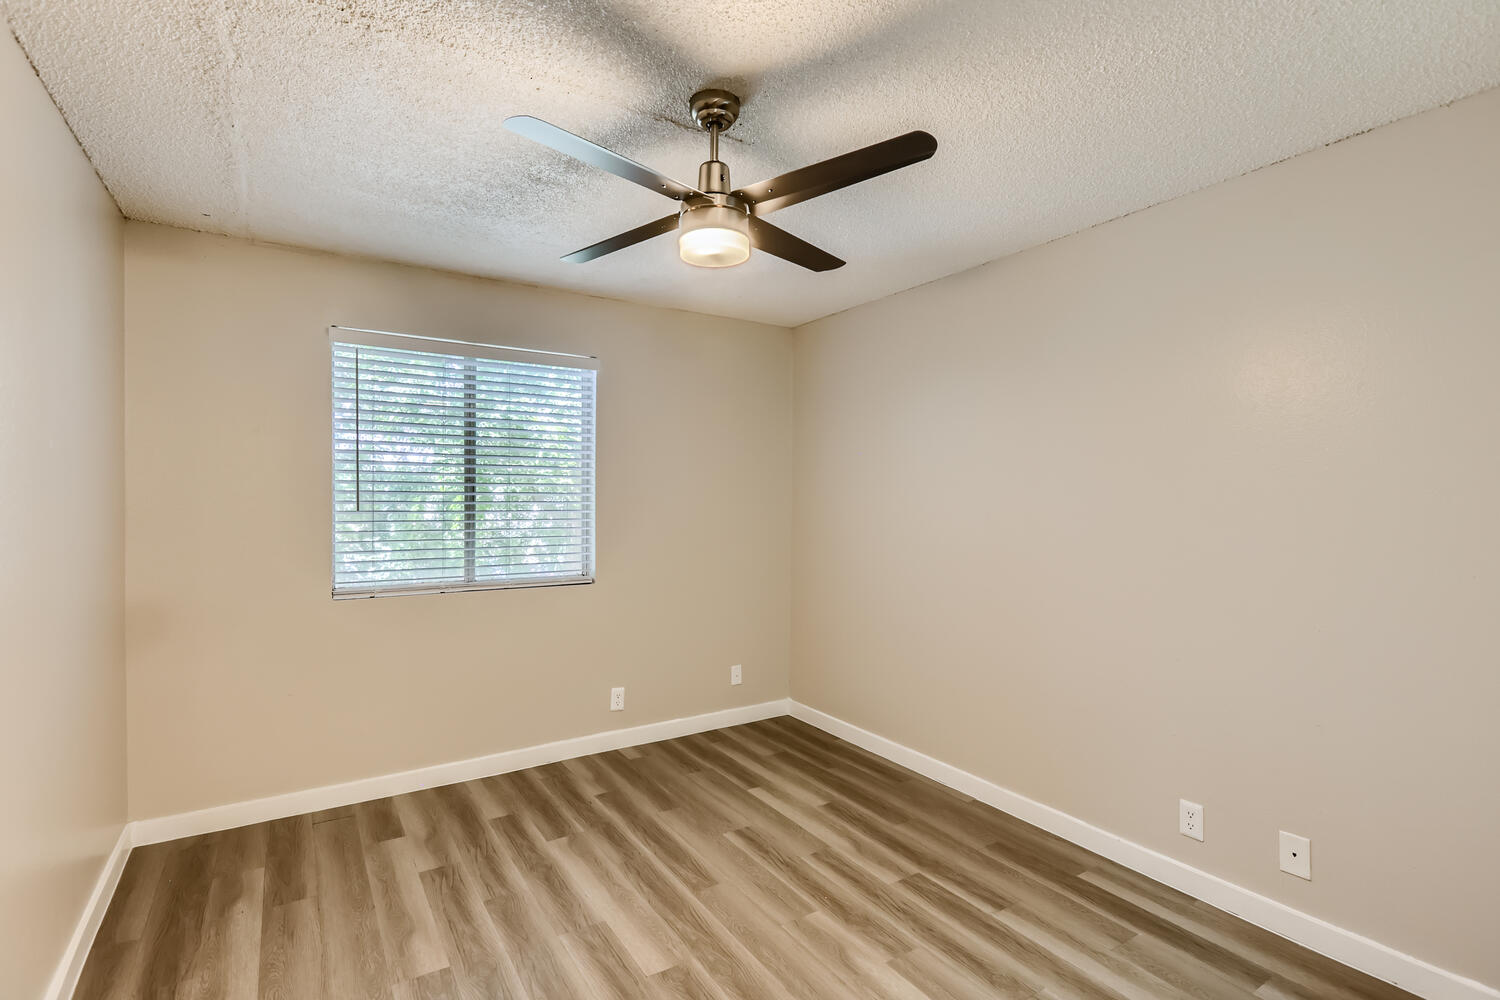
234,814
1344,946
71,965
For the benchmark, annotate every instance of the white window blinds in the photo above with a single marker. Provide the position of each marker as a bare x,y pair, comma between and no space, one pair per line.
458,466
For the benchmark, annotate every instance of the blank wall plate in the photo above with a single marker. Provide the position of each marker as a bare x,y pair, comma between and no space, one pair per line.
734,674
617,699
1296,855
1190,819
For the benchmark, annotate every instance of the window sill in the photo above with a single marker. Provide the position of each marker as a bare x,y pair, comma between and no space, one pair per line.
459,588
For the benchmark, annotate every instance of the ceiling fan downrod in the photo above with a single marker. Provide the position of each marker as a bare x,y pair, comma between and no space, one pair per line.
714,111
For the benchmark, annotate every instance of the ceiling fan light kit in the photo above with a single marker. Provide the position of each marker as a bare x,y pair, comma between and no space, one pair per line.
713,229
717,226
713,235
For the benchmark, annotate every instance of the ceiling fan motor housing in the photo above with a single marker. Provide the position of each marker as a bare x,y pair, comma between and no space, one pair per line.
713,177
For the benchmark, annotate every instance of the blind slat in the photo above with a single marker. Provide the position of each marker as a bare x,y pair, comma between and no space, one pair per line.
566,533
376,426
440,570
548,508
556,394
451,470
364,460
496,554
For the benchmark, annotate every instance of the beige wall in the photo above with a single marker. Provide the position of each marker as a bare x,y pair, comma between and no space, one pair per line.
247,679
1204,503
62,714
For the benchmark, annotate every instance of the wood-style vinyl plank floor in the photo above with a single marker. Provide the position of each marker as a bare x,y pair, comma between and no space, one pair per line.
763,861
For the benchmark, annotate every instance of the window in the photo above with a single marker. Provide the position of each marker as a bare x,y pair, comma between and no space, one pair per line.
459,466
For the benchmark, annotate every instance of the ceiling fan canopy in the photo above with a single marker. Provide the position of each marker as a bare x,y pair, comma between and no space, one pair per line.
718,226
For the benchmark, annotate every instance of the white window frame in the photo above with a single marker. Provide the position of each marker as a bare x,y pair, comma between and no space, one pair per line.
355,336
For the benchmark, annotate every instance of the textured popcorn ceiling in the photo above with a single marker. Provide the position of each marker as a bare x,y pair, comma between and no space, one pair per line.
373,126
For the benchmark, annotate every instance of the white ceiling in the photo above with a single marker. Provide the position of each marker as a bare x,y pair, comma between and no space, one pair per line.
373,126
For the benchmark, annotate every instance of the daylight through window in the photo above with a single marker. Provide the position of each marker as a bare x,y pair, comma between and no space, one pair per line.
458,466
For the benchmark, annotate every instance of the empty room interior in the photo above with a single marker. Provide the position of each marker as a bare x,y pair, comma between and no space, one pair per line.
819,500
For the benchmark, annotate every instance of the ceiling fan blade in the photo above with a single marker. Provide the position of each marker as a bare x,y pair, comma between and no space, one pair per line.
596,155
780,243
639,234
841,171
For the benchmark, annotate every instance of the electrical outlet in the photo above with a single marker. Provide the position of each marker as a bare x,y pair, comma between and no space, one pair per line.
734,674
1296,855
617,699
1190,819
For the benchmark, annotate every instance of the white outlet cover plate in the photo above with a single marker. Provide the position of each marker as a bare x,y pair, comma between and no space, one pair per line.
1296,855
616,699
734,674
1190,819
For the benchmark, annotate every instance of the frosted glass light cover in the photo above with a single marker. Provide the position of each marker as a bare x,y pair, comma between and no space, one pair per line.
713,236
714,247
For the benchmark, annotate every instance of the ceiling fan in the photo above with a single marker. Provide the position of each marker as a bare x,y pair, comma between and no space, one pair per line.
717,226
